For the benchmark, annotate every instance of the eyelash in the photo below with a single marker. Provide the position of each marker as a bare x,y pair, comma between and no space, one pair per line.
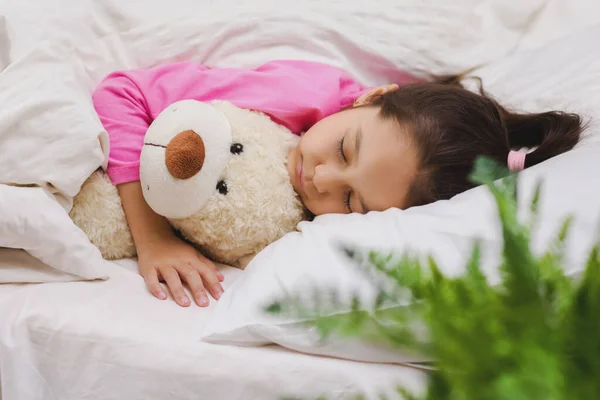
347,201
341,149
343,157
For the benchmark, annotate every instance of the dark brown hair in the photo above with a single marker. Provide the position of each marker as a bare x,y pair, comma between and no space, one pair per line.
451,126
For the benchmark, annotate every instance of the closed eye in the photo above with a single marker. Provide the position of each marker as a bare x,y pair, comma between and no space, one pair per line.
348,194
347,201
341,149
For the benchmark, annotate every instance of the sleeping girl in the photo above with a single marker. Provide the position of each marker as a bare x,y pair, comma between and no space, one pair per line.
361,149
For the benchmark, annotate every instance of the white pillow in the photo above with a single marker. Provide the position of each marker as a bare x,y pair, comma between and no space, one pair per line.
446,229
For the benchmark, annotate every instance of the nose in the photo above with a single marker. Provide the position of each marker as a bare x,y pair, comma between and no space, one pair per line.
184,155
327,179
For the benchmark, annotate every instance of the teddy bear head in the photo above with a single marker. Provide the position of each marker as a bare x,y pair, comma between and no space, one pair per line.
218,174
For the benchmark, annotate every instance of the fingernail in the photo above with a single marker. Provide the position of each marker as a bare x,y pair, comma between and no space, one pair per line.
185,301
162,295
203,301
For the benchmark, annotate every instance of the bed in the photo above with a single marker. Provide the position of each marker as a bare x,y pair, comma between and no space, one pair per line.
73,326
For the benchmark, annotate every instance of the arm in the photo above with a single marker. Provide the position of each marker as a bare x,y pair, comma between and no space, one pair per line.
147,227
125,103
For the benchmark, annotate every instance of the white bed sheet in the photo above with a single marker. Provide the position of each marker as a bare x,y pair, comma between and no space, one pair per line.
558,18
439,36
112,340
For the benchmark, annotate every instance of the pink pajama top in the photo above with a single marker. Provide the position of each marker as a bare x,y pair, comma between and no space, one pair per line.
296,94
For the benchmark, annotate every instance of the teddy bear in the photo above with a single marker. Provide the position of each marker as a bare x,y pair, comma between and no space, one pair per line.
217,172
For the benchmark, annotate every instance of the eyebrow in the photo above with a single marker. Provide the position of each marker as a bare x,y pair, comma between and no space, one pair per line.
357,143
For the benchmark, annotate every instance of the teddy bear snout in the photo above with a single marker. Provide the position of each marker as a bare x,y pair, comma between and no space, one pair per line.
185,154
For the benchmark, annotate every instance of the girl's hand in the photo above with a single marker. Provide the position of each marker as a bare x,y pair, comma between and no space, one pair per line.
163,256
175,262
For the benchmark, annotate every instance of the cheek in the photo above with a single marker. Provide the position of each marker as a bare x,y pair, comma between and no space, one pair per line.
313,206
315,142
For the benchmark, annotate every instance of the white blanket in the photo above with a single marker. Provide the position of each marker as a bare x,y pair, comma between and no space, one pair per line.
50,143
58,50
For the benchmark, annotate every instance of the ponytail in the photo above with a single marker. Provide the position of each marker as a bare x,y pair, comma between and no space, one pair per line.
550,133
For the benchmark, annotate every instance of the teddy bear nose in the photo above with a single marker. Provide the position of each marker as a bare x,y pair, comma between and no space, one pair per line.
185,154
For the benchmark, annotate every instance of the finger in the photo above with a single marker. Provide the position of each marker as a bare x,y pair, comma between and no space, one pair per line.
215,288
151,278
194,281
171,277
210,279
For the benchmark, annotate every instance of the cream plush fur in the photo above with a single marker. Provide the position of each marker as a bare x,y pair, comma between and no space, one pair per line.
258,207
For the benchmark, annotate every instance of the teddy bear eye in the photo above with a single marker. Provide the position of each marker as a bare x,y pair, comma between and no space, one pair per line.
222,187
236,148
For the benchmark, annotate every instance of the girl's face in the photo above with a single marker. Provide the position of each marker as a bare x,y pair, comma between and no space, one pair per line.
353,162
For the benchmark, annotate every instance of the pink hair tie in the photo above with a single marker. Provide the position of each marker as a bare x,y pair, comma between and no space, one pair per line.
516,161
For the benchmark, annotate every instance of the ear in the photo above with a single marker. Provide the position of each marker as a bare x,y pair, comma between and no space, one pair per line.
374,93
